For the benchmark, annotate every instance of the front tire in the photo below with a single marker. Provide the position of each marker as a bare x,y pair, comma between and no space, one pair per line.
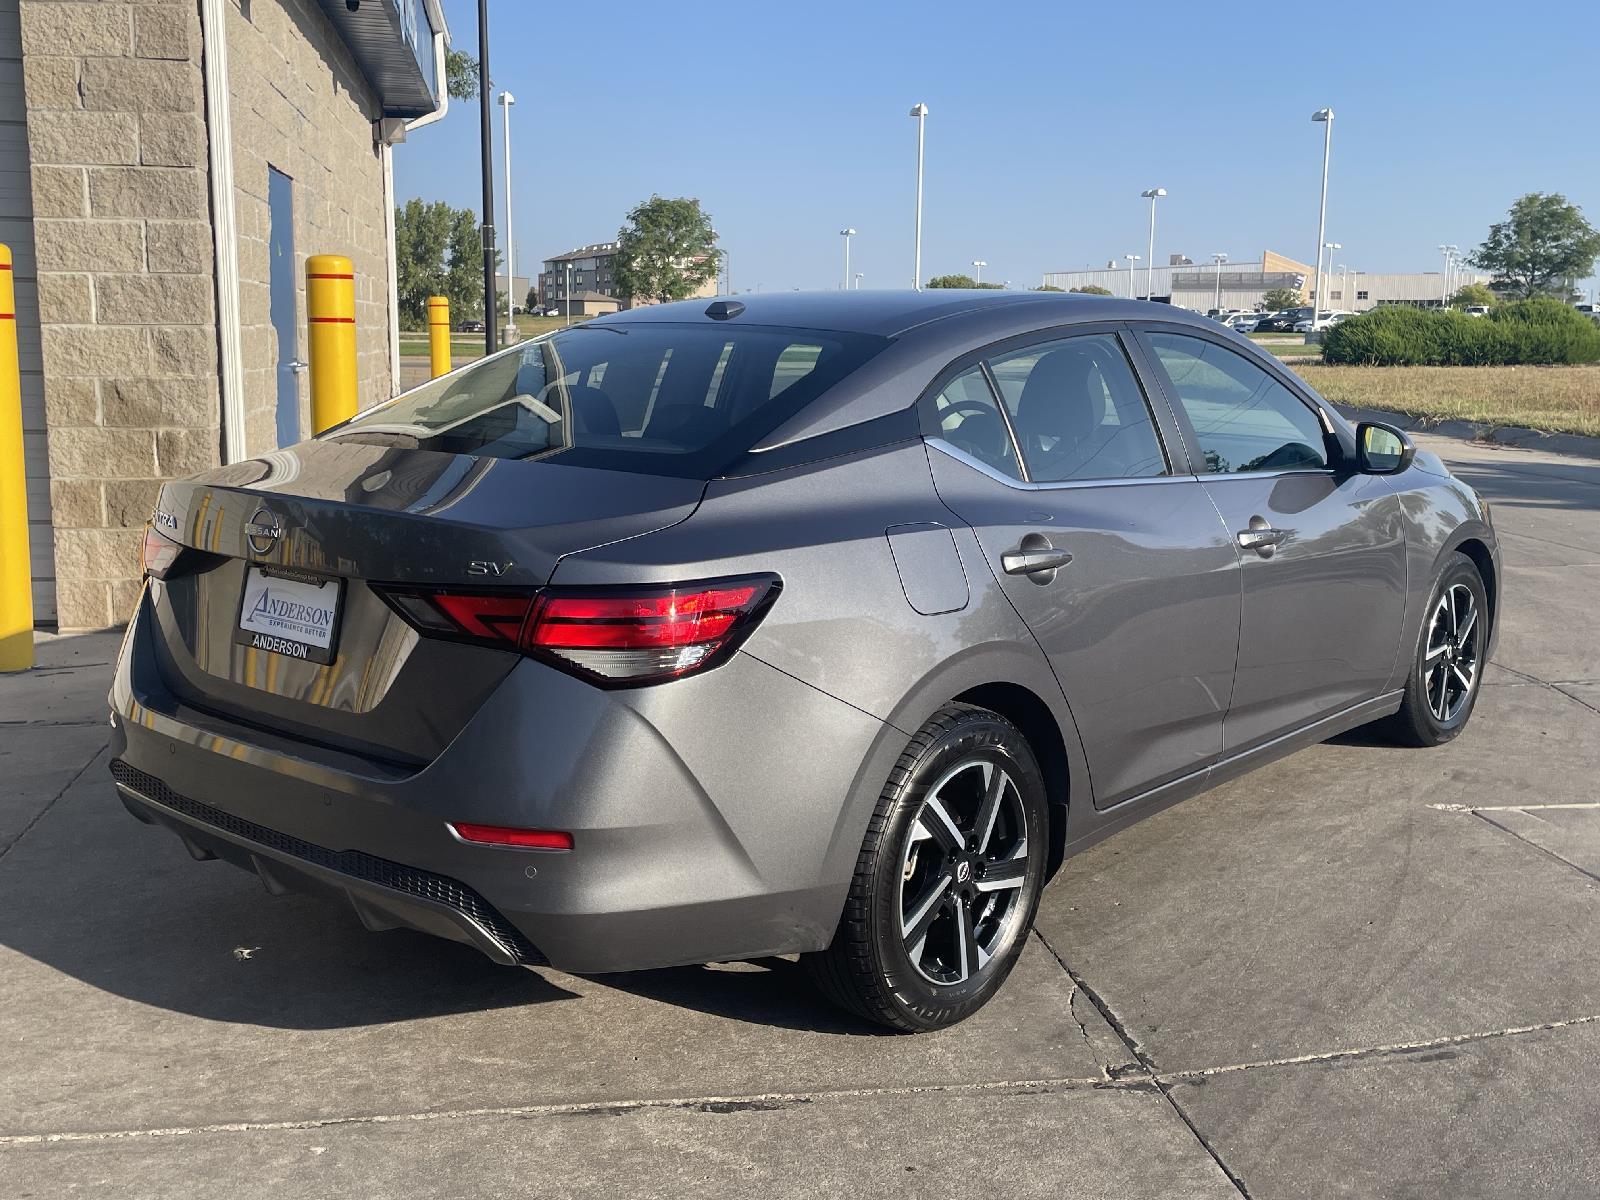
948,878
1447,666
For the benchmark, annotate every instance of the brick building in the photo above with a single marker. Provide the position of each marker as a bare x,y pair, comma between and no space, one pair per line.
165,169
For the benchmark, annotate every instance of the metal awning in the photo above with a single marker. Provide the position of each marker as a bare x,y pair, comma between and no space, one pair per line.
392,41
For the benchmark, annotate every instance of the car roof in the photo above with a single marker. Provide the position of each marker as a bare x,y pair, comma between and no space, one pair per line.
893,313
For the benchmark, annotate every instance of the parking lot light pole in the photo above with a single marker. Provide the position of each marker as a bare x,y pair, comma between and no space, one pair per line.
1325,116
846,234
567,292
1219,258
1152,195
978,265
1330,247
920,112
1132,258
858,281
506,100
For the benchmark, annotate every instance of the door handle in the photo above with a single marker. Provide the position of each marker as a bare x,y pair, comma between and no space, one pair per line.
1036,558
1261,537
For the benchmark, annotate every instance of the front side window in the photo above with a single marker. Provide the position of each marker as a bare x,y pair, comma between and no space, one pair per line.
1078,411
1243,418
653,398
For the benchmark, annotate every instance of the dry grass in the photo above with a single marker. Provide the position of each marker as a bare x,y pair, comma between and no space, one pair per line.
1554,399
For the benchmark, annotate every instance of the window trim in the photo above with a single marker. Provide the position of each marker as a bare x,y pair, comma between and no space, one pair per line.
1338,453
1168,437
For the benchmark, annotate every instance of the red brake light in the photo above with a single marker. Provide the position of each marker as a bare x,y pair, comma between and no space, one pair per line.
502,835
158,553
616,637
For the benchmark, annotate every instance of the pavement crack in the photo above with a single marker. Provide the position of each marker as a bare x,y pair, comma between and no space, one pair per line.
1546,684
49,804
1385,1050
1565,862
717,1104
1146,1063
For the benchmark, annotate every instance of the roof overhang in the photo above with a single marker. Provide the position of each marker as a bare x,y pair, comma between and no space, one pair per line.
396,44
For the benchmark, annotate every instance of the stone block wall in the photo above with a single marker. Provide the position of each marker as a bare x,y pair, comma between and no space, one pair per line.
300,106
117,140
116,136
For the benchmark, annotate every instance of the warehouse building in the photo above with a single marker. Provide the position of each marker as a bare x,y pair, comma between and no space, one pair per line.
1243,285
165,170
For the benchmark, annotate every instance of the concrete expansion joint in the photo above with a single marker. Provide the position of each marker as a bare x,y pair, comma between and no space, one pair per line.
1556,687
51,803
1146,1073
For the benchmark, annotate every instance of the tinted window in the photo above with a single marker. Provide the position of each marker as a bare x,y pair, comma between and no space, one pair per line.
1245,419
1078,411
970,420
653,398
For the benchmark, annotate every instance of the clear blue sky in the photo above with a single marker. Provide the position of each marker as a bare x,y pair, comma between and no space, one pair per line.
789,122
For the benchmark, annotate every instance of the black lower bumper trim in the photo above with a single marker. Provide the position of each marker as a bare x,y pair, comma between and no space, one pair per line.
365,873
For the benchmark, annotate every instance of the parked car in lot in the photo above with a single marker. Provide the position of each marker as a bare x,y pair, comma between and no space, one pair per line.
1476,310
1325,318
470,327
1244,322
811,624
1280,322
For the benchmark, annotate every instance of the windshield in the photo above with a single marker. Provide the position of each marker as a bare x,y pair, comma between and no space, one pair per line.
660,399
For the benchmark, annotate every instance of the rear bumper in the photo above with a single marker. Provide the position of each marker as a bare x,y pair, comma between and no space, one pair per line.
715,818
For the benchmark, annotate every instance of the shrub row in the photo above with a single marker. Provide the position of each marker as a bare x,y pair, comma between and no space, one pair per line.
1526,332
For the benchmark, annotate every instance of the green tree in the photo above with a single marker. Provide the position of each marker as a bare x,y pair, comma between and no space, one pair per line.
1091,289
1540,248
421,236
1047,287
1279,299
952,281
1472,294
463,284
461,75
667,250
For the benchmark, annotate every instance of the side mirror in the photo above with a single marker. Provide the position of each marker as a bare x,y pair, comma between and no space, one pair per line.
1383,449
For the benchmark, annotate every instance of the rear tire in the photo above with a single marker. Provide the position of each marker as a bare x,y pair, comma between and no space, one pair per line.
948,878
1448,662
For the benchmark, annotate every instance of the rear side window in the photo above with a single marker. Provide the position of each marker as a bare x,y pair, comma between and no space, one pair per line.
1244,419
1078,411
970,420
662,399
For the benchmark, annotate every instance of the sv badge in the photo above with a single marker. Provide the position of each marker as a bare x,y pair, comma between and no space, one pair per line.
489,567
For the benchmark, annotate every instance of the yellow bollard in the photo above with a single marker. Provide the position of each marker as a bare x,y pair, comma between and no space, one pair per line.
16,579
331,313
439,335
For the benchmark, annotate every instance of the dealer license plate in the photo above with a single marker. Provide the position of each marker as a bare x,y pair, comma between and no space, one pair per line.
295,617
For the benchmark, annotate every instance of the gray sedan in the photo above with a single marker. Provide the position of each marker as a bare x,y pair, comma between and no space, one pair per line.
825,624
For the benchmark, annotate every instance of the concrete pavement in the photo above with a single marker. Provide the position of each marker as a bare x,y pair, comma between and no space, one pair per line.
1362,971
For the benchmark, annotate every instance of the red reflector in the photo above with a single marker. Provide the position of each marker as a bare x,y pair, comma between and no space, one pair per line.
501,835
158,553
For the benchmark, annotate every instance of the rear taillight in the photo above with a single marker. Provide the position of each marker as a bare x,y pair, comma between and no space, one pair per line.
158,553
617,637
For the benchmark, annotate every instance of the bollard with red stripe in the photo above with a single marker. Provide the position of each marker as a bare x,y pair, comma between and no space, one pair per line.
331,314
16,579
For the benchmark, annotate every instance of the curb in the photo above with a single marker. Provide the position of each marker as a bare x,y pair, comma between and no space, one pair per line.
1513,436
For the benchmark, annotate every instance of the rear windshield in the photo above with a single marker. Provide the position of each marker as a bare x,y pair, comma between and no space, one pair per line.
659,399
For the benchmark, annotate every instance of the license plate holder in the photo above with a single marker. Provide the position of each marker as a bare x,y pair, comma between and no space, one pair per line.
289,613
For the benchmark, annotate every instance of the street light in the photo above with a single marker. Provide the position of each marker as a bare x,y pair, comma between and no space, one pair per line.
1219,258
1325,116
1132,258
920,112
978,265
858,281
567,291
846,234
1152,195
506,100
1330,247
1448,252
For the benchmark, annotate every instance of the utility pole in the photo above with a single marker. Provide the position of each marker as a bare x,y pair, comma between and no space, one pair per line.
491,342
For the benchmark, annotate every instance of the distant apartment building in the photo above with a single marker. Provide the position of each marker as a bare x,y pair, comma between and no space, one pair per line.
588,274
586,269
